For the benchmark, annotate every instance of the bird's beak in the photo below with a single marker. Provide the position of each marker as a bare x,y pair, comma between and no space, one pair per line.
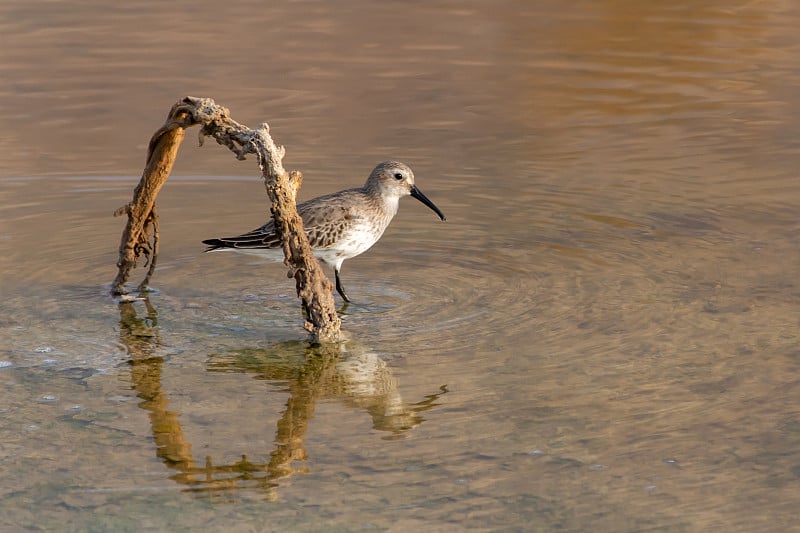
416,193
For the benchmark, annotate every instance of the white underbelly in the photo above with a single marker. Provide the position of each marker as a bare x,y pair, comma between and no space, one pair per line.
356,241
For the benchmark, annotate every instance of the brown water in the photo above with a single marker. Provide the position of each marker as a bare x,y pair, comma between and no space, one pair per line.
602,337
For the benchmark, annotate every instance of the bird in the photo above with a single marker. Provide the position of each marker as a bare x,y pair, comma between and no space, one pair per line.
339,225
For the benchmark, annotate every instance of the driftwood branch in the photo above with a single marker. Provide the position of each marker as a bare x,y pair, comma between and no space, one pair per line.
313,288
161,155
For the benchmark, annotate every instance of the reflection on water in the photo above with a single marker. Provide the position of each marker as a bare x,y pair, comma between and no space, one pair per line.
309,373
612,303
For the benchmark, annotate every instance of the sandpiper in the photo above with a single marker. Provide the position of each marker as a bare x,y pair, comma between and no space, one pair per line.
340,225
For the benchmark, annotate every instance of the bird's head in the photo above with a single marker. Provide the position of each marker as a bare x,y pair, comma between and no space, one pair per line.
395,179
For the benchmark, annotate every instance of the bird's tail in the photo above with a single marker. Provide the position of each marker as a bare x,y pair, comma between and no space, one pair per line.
216,244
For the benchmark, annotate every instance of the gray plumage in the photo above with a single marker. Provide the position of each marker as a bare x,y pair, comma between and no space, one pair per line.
340,225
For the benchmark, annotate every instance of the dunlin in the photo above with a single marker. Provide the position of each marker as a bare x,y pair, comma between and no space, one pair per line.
339,225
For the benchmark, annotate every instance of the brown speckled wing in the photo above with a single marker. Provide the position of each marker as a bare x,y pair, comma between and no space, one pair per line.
324,220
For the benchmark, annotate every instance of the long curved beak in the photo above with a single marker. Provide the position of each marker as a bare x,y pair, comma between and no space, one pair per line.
416,193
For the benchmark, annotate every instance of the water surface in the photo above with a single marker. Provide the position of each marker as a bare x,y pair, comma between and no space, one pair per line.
601,337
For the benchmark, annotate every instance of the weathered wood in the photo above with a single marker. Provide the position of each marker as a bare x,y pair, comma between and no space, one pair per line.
161,154
313,287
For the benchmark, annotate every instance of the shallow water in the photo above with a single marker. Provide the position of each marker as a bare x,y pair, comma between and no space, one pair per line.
603,336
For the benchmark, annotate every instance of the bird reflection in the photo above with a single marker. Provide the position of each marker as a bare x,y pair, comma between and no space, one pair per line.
348,372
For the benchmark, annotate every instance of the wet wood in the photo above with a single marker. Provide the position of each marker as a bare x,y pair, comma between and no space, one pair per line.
142,218
140,236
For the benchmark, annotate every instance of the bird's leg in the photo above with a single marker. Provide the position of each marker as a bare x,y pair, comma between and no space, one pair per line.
339,287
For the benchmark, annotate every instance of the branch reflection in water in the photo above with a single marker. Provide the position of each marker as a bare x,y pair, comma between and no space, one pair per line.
346,371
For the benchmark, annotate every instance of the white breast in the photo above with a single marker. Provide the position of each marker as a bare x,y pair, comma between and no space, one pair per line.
357,240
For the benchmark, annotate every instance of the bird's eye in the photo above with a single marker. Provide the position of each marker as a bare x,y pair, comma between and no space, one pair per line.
398,176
